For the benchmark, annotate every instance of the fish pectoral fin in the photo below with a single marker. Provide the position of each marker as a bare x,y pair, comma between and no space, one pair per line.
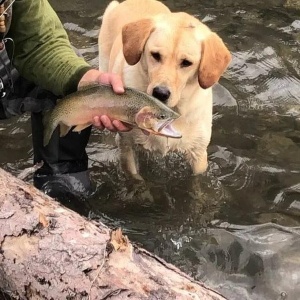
127,122
63,129
81,127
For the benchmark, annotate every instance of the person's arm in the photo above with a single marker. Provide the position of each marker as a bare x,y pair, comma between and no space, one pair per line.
43,53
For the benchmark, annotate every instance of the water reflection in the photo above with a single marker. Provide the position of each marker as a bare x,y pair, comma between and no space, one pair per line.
208,226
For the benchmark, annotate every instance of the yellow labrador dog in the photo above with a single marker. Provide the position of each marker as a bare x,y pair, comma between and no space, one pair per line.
175,58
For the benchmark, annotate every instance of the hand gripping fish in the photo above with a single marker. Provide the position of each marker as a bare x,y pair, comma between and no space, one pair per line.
132,107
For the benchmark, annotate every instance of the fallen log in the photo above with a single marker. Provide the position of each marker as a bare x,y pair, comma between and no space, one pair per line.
48,251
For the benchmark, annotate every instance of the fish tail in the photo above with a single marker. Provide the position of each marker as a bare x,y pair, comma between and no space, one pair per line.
49,127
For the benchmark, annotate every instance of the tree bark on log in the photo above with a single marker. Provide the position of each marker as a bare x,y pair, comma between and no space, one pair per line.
50,252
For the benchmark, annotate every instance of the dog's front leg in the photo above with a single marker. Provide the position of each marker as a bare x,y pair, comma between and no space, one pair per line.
198,161
127,158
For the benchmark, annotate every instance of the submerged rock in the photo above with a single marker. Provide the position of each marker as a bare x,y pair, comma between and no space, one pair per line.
274,146
292,4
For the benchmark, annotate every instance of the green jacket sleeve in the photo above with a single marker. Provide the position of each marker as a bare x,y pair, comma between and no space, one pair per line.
42,51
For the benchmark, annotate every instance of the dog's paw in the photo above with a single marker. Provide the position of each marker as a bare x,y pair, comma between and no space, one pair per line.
139,194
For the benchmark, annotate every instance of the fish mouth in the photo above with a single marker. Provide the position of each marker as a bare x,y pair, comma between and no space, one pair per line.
165,128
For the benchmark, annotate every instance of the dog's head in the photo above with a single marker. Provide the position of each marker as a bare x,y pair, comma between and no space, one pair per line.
175,50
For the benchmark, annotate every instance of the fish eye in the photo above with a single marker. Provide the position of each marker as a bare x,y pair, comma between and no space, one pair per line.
185,63
156,56
161,116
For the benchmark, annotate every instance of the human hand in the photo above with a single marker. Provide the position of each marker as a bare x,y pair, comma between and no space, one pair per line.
102,122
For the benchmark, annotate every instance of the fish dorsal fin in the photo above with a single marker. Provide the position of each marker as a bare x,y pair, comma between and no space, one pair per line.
87,85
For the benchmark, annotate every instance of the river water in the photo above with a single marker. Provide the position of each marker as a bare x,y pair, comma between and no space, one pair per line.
239,232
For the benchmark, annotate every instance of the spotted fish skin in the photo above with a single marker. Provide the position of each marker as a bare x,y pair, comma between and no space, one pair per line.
132,107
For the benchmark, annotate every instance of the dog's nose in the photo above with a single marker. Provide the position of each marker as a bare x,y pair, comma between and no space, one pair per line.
162,93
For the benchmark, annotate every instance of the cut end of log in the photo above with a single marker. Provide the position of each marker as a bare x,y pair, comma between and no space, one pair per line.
43,220
118,241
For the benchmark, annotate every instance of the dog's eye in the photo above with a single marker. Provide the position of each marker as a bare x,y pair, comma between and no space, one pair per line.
185,63
156,56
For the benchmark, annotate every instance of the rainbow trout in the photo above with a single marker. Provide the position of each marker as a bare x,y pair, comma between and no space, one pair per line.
133,107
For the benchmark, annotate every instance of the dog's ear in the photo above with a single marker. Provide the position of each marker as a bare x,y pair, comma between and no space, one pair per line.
134,37
215,58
